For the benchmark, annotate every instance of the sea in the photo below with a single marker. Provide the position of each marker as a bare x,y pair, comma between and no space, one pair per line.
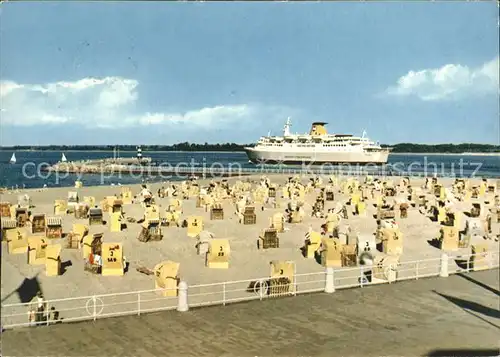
26,173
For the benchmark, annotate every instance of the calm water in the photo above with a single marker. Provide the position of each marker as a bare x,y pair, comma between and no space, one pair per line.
12,175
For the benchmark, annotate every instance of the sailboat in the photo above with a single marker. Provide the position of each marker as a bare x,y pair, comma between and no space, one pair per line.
63,158
13,158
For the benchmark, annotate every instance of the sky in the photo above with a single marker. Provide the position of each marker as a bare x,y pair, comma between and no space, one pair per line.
161,73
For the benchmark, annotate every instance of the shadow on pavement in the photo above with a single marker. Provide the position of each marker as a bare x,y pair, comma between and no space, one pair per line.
463,352
484,286
472,306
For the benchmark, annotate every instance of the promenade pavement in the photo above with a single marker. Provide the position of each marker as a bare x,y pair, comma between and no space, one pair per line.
411,318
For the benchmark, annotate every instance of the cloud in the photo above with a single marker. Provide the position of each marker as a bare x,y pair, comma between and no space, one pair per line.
451,81
111,102
205,117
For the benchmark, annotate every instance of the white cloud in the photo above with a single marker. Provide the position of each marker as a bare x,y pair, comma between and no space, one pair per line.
109,102
7,87
451,81
205,117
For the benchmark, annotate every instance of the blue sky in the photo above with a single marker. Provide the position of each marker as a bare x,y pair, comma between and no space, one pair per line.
161,73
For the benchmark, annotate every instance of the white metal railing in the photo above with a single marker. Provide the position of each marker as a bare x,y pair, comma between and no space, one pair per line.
140,302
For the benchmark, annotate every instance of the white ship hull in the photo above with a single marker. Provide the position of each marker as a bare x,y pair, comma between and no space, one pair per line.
297,157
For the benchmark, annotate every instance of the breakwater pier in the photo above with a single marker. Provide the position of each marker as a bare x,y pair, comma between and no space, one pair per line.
105,167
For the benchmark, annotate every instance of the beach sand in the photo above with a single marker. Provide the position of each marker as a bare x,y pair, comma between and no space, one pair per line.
246,261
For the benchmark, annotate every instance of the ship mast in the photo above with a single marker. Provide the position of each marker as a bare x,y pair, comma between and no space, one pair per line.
286,128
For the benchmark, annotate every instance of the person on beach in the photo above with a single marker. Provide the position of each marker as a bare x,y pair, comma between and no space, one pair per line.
40,302
32,317
145,192
54,316
287,215
39,316
98,260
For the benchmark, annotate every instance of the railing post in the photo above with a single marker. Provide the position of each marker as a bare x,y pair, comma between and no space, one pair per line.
416,270
47,308
182,302
329,281
361,276
443,271
294,281
468,263
224,293
490,259
139,304
94,303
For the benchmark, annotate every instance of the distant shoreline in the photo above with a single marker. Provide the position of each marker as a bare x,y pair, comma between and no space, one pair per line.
238,152
125,151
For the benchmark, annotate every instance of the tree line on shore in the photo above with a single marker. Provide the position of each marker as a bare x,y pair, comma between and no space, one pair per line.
444,148
186,146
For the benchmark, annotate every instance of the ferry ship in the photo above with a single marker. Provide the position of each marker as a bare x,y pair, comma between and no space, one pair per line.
317,147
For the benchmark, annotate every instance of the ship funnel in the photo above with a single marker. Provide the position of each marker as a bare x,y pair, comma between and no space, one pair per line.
318,128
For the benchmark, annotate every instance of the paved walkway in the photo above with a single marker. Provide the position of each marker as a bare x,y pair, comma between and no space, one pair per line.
404,319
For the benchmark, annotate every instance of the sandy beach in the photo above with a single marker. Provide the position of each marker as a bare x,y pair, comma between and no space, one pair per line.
246,261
